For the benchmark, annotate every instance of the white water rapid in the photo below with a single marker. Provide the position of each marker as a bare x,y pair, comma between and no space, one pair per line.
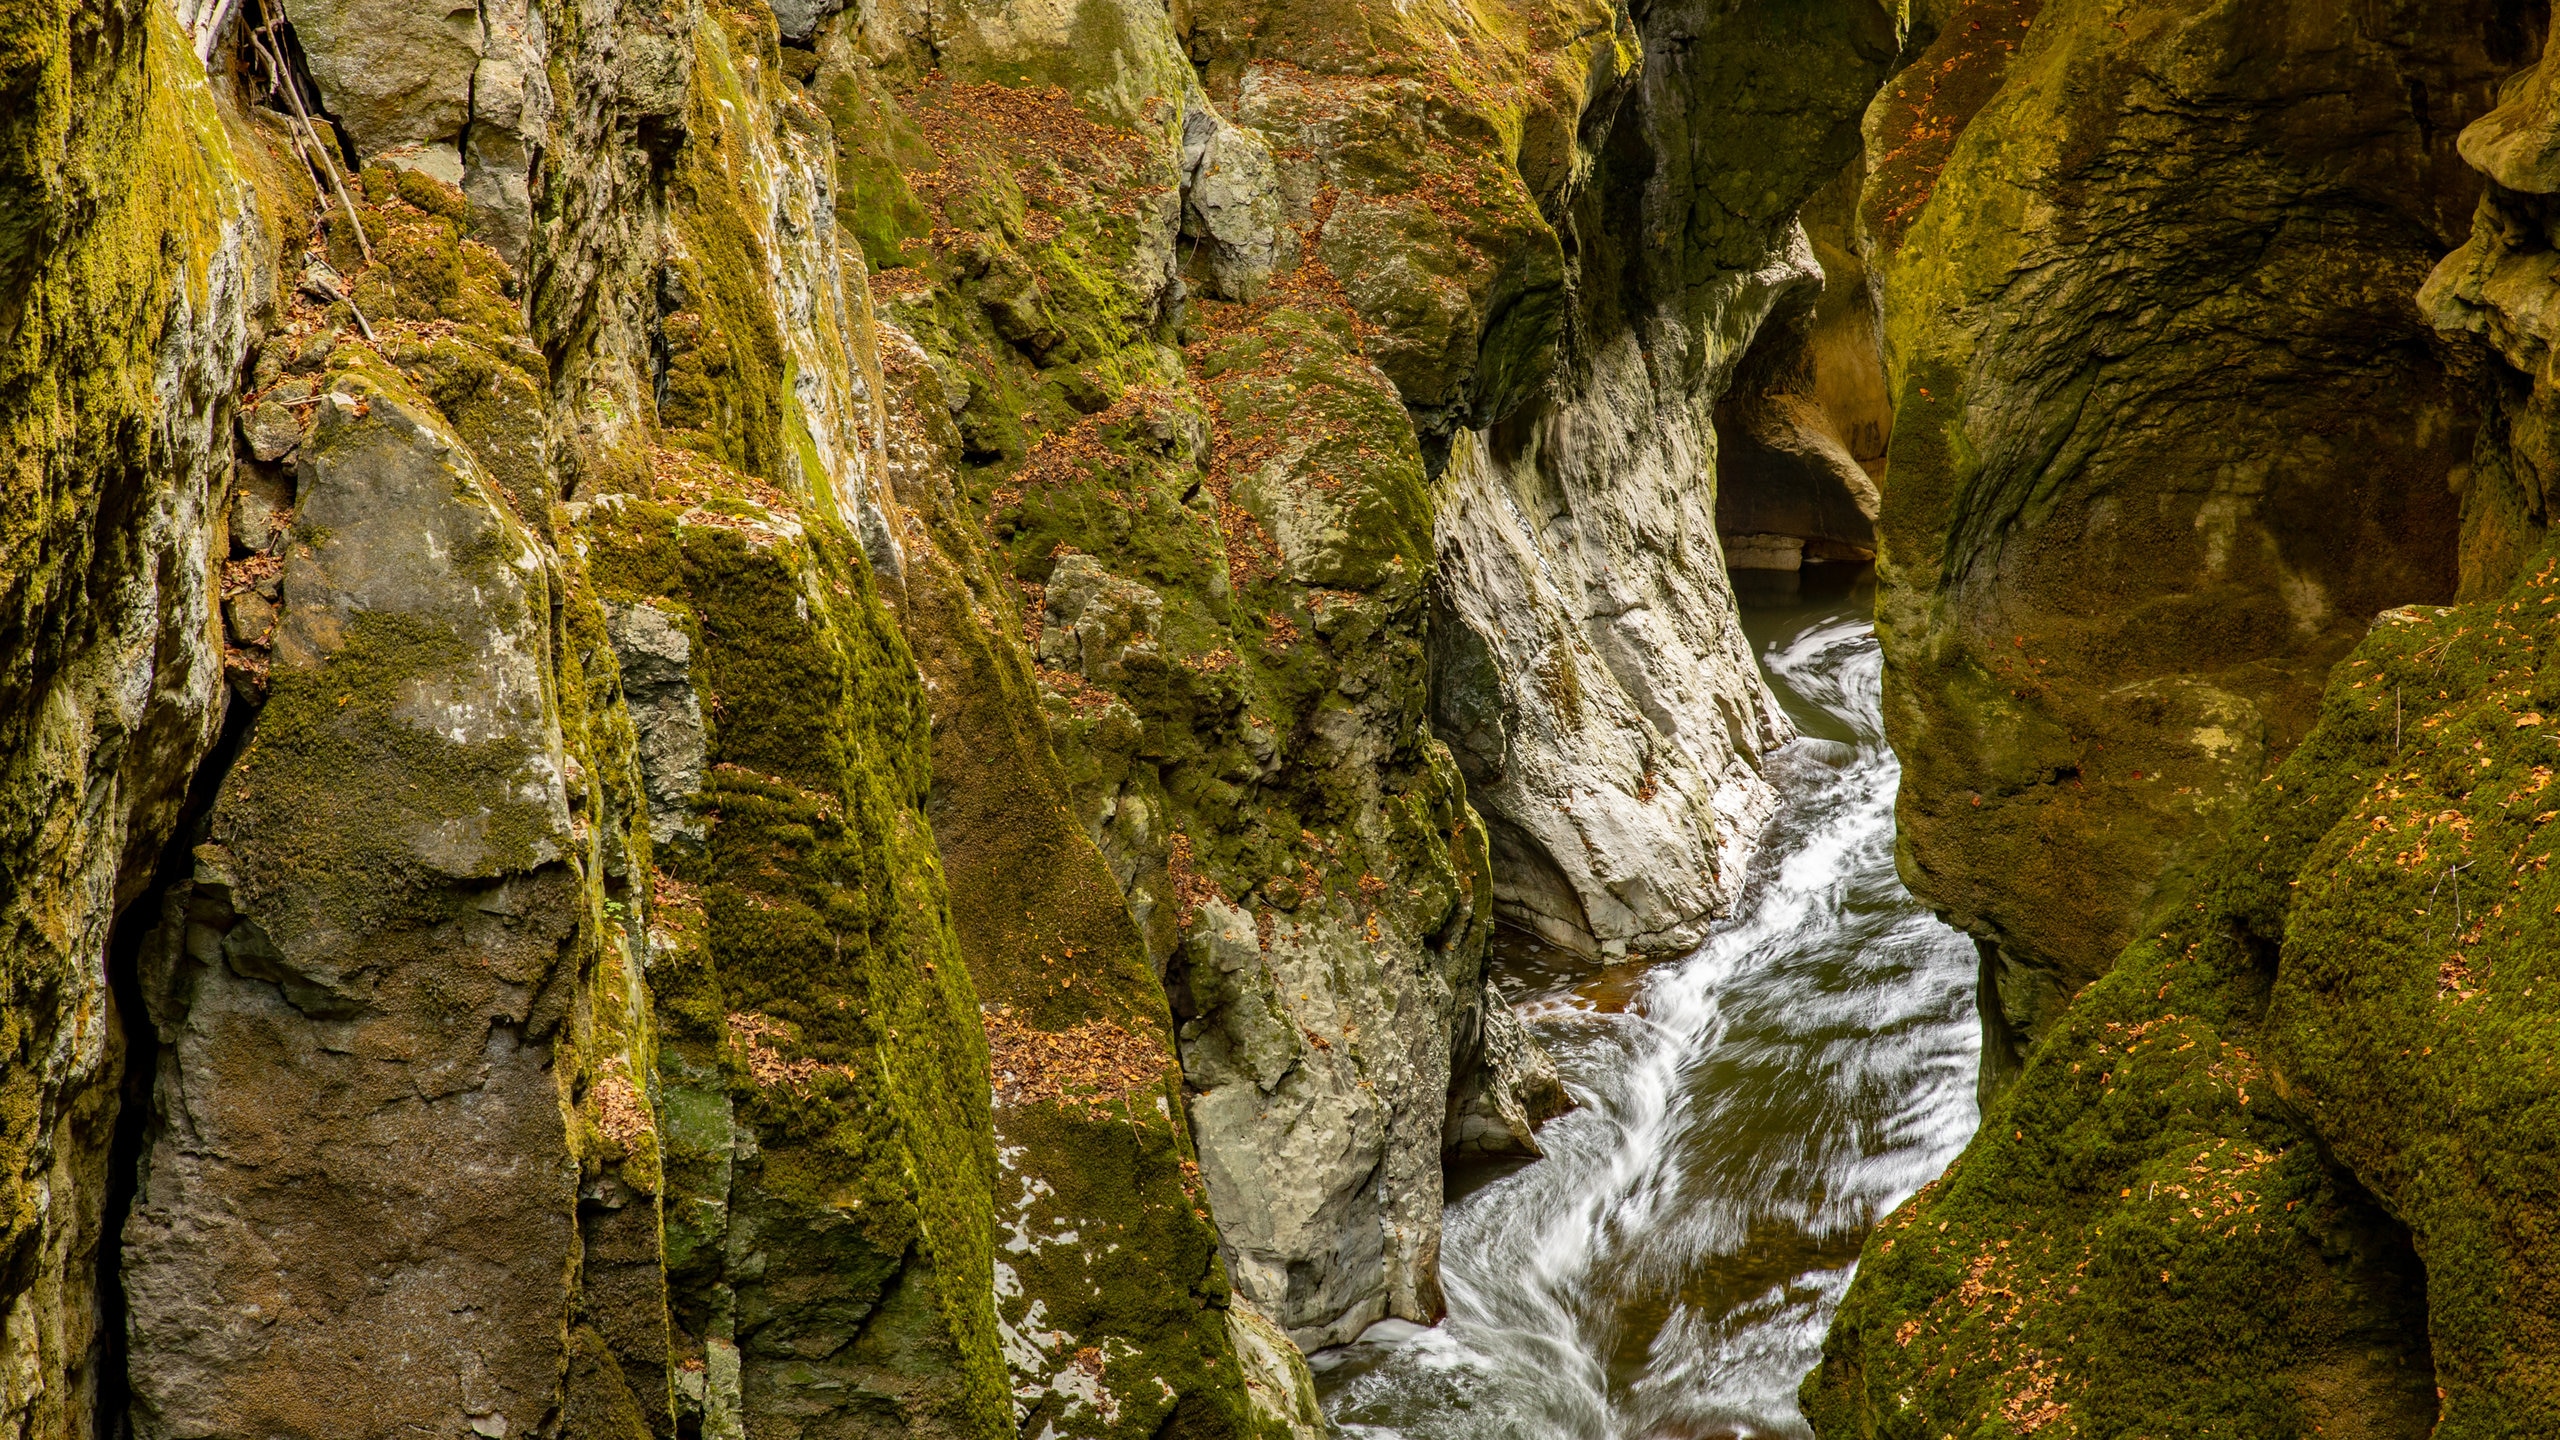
1745,1114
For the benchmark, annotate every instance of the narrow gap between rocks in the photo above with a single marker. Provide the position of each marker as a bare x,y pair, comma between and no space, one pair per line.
139,1040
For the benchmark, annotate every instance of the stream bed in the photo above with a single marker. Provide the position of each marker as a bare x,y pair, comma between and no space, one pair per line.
1744,1114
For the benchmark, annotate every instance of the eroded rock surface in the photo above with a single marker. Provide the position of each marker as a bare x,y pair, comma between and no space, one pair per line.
357,1119
831,821
2280,1169
133,266
1591,676
2167,431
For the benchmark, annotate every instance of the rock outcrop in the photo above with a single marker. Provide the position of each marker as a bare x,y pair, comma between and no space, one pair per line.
2167,431
1802,433
2283,1170
759,722
1590,674
133,267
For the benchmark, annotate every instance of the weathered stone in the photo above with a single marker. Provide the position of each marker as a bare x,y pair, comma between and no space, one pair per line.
1590,671
2323,1029
249,617
261,507
1093,618
1801,435
656,658
2139,504
133,268
357,1119
798,19
393,74
1506,1090
271,430
1231,202
1276,1376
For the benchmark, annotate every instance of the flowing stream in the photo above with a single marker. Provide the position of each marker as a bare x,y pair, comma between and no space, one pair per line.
1745,1113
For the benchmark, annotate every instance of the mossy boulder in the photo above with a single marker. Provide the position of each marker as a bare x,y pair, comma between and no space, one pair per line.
2281,1169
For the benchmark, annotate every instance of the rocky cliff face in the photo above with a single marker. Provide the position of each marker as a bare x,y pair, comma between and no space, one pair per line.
2278,1171
729,722
1591,677
134,259
2167,430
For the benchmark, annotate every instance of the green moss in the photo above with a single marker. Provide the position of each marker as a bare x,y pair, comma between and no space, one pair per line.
2326,996
875,145
724,391
2078,730
821,911
1046,932
337,784
121,181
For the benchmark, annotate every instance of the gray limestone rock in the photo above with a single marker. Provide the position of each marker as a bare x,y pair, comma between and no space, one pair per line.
1322,1085
250,618
1283,1390
393,74
1231,202
271,430
657,686
1594,679
798,19
261,506
356,1213
1092,619
1511,1087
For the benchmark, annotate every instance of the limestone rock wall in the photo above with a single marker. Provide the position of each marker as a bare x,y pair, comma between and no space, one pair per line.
1803,432
134,266
2279,1170
2167,430
1590,673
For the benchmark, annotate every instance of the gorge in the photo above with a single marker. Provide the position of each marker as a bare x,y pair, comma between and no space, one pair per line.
765,718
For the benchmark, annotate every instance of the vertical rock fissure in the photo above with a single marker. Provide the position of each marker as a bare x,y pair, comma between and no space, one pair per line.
288,46
139,1040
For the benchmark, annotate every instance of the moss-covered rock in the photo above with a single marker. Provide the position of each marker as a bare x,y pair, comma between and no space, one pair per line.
360,992
2167,430
2277,1171
2284,1169
131,266
1216,601
829,1222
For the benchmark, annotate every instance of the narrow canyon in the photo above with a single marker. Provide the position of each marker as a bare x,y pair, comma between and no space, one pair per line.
1148,719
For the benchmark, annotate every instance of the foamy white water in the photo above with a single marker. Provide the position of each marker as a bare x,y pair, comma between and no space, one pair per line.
1745,1113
